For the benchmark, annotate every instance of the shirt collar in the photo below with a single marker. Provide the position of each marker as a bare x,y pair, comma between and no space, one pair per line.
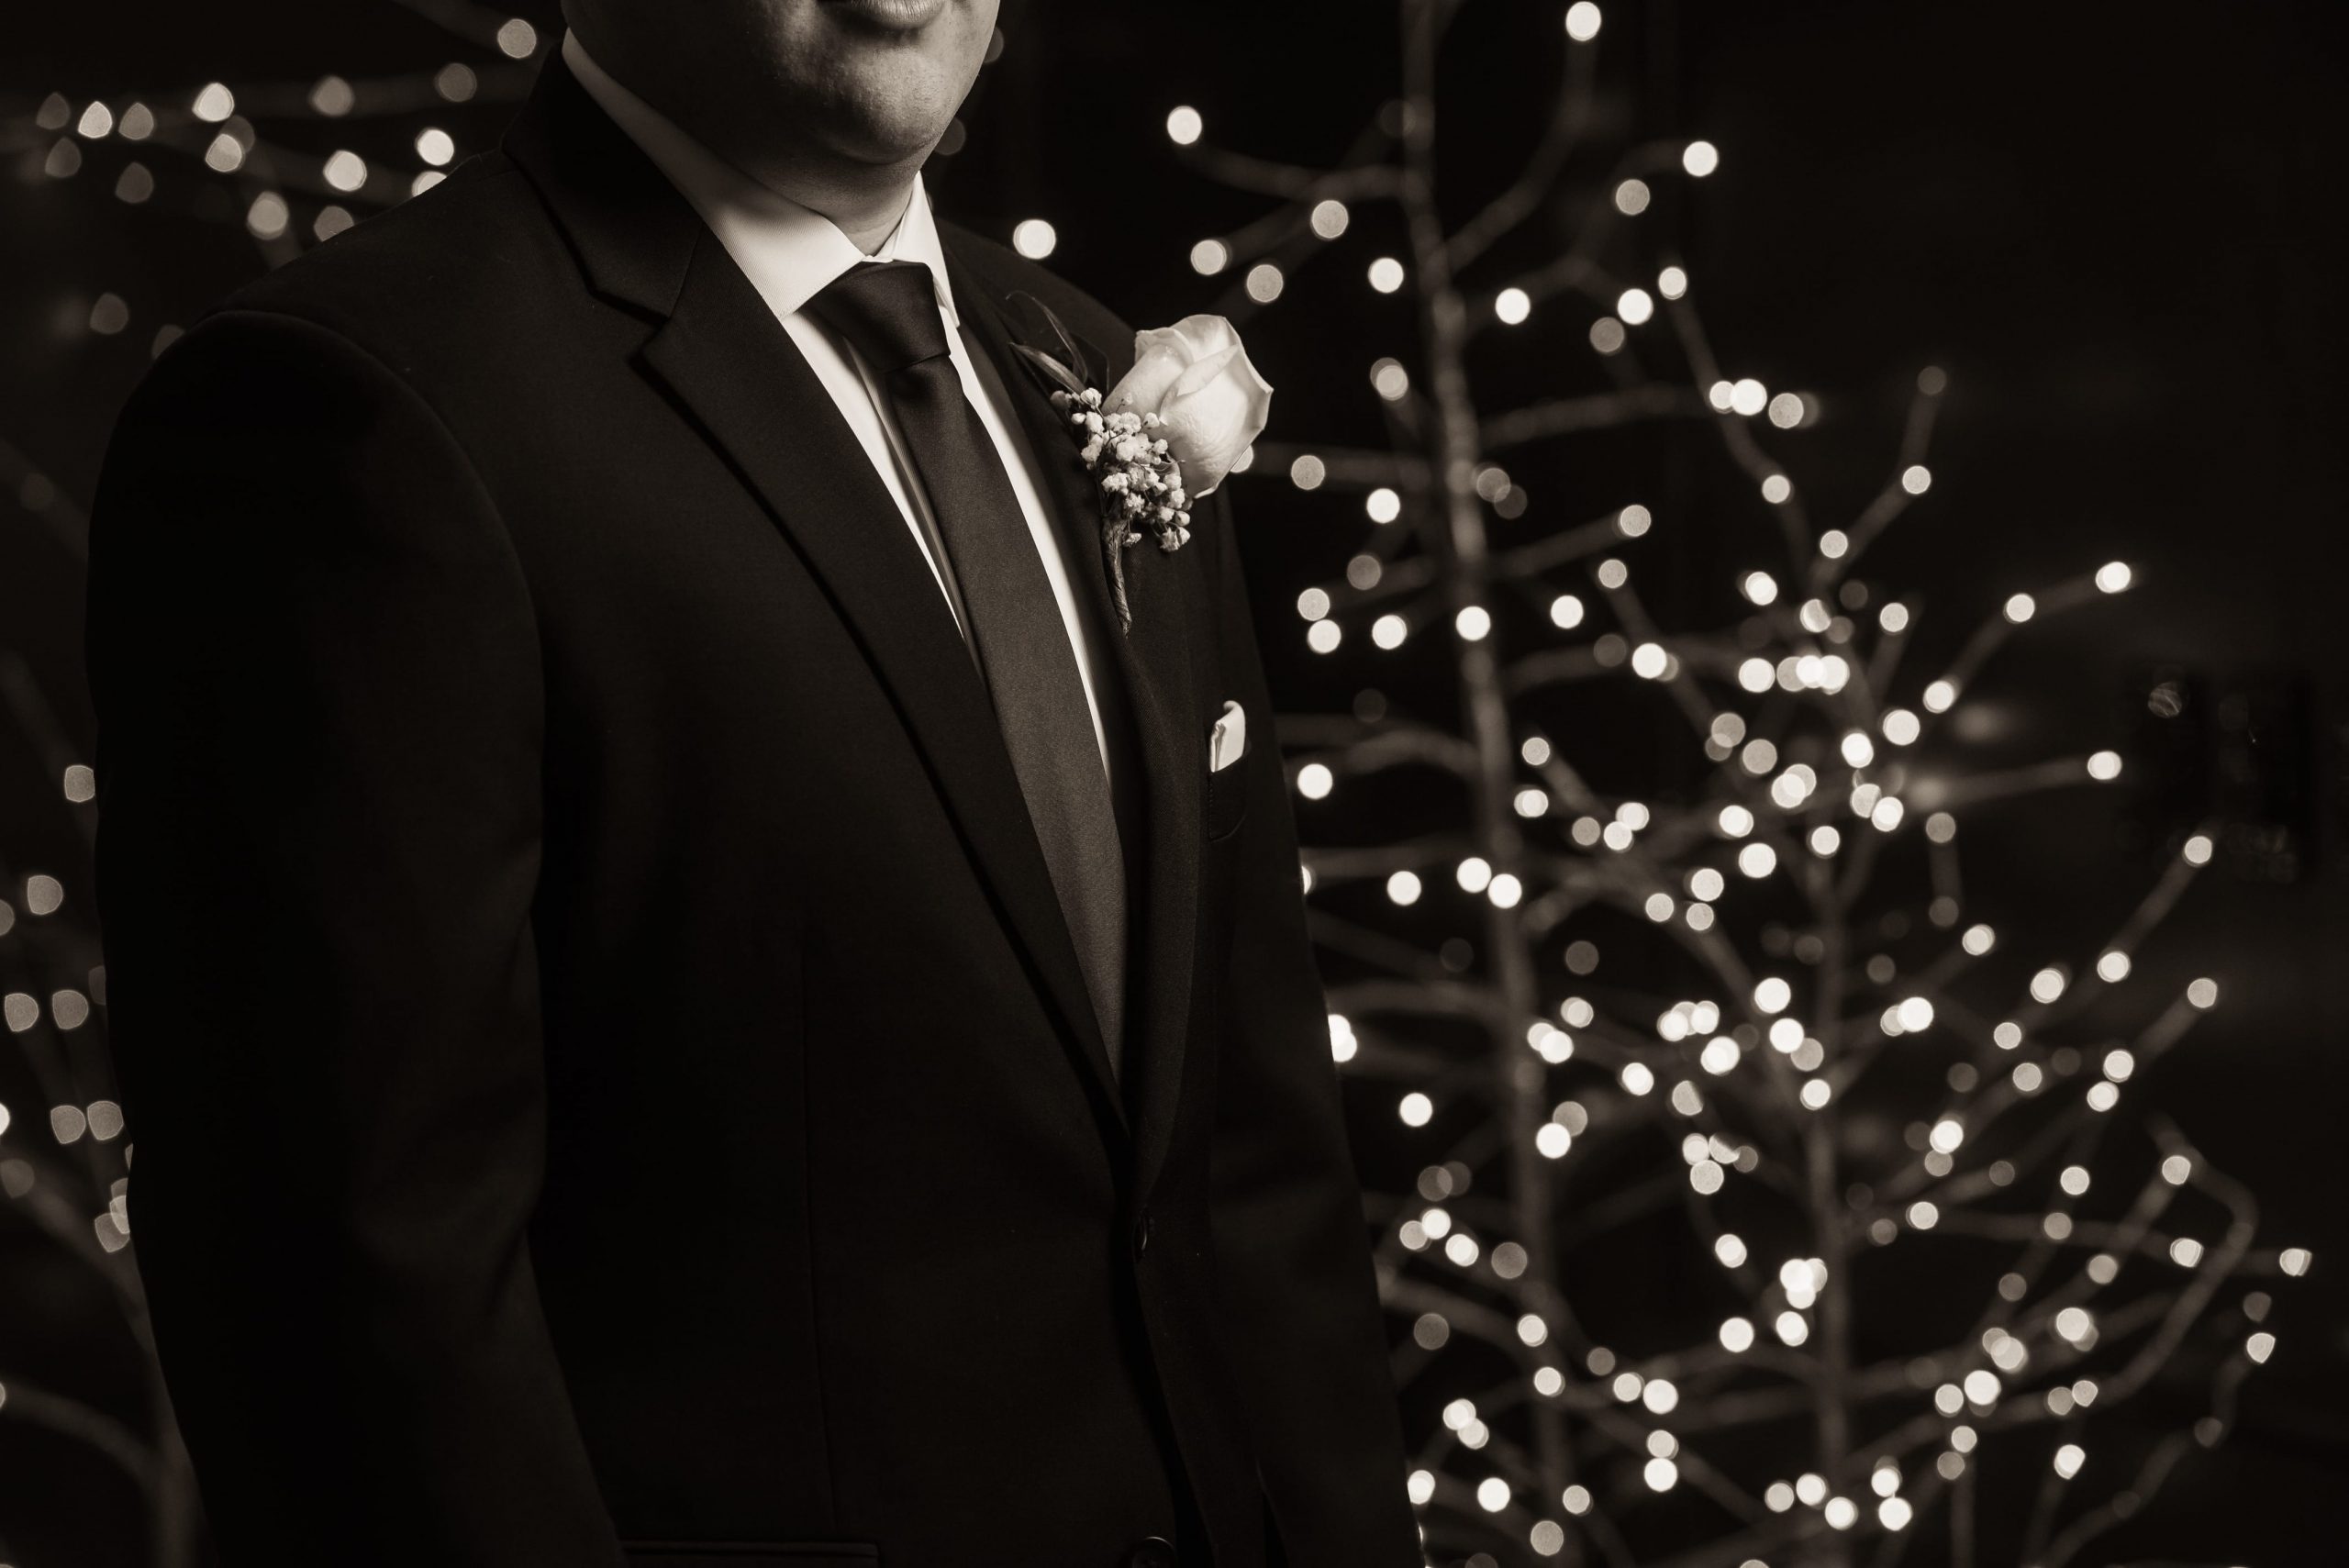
788,251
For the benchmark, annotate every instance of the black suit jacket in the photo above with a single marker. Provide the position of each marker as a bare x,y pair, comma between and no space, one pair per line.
609,1077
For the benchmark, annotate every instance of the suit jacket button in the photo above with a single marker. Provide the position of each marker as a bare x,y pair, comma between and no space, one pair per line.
1142,1245
1151,1551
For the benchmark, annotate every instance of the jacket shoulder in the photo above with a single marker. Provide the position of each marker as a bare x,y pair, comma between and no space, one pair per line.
458,259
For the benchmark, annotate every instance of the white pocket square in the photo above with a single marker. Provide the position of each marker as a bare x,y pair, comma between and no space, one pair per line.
1229,741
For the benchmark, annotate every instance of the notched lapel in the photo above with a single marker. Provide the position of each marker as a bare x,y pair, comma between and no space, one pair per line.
1159,587
1154,659
730,364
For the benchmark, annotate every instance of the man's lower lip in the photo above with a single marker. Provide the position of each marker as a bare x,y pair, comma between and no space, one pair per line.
903,14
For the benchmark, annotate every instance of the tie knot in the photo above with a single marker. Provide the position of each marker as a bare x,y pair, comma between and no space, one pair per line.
888,310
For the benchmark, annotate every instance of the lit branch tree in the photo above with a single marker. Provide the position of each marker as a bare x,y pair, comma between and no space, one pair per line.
1907,1247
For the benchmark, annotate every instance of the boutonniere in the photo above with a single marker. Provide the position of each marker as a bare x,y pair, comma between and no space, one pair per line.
1164,437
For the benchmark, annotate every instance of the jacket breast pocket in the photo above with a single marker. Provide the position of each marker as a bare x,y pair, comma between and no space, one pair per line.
1226,806
753,1553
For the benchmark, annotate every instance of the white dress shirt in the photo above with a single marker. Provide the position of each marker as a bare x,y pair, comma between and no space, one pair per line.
790,253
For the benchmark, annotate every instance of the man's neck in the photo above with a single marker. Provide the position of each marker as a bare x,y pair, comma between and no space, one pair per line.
867,219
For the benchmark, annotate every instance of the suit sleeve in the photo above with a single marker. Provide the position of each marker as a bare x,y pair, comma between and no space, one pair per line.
316,671
1291,1245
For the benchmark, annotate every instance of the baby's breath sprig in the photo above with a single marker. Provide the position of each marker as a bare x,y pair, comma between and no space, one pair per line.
1141,484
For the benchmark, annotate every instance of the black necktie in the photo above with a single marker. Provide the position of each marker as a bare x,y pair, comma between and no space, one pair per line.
888,311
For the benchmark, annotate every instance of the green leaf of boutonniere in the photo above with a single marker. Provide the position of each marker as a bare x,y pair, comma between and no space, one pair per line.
1062,375
1042,331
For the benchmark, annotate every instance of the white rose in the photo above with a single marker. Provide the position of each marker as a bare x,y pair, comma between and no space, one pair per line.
1196,377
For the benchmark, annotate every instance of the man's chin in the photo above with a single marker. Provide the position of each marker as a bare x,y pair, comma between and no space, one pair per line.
887,145
884,119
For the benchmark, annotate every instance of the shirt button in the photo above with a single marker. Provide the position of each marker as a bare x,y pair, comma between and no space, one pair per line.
1151,1551
1142,1245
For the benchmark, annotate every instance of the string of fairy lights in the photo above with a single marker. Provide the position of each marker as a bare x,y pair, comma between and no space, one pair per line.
1800,1033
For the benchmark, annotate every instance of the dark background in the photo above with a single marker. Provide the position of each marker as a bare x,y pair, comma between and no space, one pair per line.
2115,225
